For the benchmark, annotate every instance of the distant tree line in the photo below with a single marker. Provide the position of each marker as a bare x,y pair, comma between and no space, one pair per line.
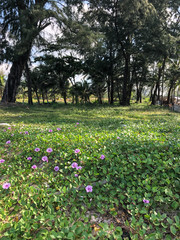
117,45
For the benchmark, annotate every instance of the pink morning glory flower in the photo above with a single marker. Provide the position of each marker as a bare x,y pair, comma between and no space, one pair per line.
9,128
2,160
8,142
45,159
58,129
102,157
77,123
89,188
79,168
37,149
145,201
49,150
74,165
26,132
6,185
76,175
50,130
56,168
29,158
34,167
76,151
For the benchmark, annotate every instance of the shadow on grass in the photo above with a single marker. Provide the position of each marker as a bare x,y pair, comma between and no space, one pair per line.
100,116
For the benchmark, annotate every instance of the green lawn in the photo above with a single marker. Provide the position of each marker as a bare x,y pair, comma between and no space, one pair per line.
141,146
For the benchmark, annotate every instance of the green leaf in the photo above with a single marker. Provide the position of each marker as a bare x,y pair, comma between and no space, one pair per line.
170,221
175,205
176,219
173,230
168,237
70,235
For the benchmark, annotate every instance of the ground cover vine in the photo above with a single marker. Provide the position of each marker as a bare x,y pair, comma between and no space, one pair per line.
62,168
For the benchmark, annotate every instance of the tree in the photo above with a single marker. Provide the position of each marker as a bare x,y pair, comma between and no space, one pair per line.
2,82
22,21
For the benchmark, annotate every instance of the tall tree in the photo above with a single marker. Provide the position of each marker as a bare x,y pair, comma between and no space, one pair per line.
22,21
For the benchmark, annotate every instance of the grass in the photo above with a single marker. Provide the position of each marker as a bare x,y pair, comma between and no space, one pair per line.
141,146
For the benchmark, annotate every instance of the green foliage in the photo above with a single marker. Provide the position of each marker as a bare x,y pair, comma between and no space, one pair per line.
141,149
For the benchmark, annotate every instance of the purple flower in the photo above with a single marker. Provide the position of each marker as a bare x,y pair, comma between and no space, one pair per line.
2,160
37,149
45,159
74,165
89,188
76,175
102,157
12,135
118,137
8,142
6,185
50,130
26,132
34,167
58,129
79,168
4,130
29,158
9,128
49,150
145,201
77,123
76,151
20,132
56,168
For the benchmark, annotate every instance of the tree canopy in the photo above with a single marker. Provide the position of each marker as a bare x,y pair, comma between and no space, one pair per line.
119,46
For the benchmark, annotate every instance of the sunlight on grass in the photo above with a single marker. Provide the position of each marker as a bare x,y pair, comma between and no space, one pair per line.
69,167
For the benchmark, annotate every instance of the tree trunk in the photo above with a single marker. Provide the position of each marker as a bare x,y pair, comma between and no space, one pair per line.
125,98
99,96
151,93
29,83
108,85
14,77
37,96
161,69
47,96
154,95
140,94
158,96
137,92
64,96
112,90
129,90
43,96
169,92
111,77
76,99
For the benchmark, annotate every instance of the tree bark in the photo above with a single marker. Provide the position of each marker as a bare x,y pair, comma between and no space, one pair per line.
108,87
64,96
125,95
169,92
37,96
29,83
157,88
112,91
14,77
